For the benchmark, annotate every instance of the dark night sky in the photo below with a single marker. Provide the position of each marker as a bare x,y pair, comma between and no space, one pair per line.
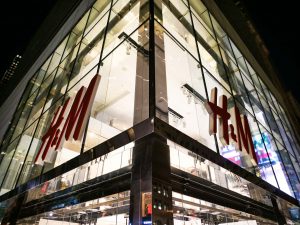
276,22
19,20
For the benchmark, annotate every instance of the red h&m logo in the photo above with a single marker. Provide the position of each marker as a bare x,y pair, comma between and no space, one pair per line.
69,121
242,138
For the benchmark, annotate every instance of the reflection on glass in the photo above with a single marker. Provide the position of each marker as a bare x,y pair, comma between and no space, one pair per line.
112,161
188,161
189,211
111,209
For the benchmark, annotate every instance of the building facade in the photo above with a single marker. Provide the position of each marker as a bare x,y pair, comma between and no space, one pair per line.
149,112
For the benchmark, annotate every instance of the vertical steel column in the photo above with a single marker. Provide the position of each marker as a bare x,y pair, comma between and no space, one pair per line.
280,218
151,60
151,192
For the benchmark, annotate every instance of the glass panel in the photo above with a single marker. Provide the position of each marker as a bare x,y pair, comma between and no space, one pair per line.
183,107
124,20
178,24
8,135
111,209
239,86
273,149
30,169
99,9
105,164
23,119
6,162
40,75
57,55
290,170
188,210
60,82
38,104
117,91
209,53
17,163
75,36
88,55
123,71
188,161
258,109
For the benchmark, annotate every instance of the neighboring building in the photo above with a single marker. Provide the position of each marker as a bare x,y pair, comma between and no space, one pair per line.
121,123
11,70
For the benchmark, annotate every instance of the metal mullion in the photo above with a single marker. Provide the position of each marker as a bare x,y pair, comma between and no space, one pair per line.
269,108
279,119
40,86
243,82
38,89
50,57
216,80
62,59
258,96
224,66
231,58
84,29
7,130
76,56
6,172
256,121
177,42
63,96
72,49
104,36
294,170
41,111
75,61
211,34
266,95
269,122
276,122
108,54
85,34
289,127
19,140
275,145
289,179
152,88
47,96
101,149
28,83
201,66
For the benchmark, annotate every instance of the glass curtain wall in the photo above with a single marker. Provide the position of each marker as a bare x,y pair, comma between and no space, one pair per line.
188,210
112,209
194,54
111,39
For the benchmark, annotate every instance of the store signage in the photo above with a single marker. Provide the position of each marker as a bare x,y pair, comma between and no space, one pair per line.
238,132
68,122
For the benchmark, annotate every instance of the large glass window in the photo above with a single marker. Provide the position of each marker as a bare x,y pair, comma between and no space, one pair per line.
184,82
118,35
192,163
188,210
193,55
109,210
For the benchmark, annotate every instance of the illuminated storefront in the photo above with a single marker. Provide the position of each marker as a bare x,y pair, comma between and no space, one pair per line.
115,128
